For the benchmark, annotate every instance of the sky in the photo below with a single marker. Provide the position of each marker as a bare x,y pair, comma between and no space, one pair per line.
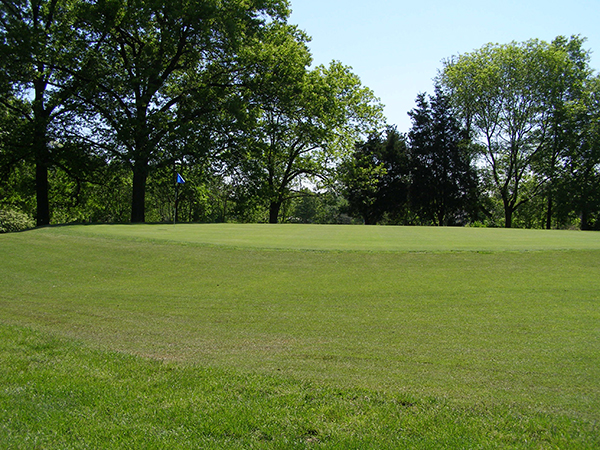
396,47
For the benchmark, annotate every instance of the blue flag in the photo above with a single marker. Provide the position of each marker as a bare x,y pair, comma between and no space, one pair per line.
180,179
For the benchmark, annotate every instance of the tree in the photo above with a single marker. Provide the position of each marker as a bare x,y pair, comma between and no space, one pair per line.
566,97
376,177
161,65
580,181
504,95
305,120
38,41
443,182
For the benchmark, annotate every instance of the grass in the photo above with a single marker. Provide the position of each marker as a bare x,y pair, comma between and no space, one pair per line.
356,238
381,337
59,394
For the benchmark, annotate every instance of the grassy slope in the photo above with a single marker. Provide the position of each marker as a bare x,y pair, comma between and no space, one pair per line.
511,336
59,394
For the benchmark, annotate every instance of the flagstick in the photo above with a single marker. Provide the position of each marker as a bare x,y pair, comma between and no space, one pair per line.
176,195
175,204
178,180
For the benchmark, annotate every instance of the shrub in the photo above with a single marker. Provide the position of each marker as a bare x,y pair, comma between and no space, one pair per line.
12,220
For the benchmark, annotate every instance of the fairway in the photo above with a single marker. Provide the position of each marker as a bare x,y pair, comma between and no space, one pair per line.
499,325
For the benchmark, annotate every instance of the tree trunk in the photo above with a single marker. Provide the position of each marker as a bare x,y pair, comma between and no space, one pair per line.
42,157
176,212
274,212
41,191
508,212
549,213
138,197
584,220
441,217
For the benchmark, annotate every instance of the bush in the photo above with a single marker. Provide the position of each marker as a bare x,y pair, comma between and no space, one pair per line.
476,224
12,220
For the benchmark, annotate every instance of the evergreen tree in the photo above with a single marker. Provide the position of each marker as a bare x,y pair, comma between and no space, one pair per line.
375,178
443,182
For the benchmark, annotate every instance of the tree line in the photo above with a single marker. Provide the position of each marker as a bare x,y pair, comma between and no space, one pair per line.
509,138
103,102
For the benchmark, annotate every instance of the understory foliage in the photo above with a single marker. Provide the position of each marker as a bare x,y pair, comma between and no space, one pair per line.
103,103
12,220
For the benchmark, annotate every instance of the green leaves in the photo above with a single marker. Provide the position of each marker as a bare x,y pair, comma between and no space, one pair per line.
375,177
168,73
304,120
510,97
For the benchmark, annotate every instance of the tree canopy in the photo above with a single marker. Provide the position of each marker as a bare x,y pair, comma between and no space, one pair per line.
103,102
509,97
306,120
443,179
159,65
376,177
39,49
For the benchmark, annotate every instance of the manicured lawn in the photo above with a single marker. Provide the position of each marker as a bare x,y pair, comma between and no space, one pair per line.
258,336
336,237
